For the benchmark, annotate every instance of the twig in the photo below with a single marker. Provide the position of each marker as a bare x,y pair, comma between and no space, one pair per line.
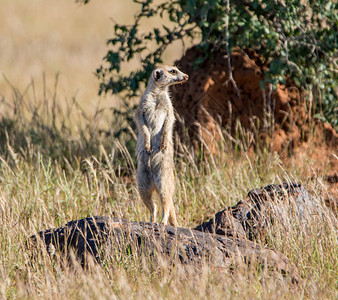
231,78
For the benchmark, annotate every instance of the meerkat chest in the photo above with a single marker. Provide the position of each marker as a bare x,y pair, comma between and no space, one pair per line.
156,112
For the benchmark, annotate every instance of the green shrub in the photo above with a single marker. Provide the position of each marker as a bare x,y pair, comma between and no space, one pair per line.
297,38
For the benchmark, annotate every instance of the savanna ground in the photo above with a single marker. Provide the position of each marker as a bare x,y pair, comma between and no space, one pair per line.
59,163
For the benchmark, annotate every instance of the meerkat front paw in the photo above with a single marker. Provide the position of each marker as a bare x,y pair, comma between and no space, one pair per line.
164,142
147,148
163,146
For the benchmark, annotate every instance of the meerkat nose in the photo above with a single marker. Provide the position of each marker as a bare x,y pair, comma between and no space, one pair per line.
186,77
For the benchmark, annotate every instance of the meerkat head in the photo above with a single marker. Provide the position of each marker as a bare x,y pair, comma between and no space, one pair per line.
168,75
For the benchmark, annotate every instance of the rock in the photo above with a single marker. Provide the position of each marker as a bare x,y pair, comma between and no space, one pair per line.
229,235
261,208
103,236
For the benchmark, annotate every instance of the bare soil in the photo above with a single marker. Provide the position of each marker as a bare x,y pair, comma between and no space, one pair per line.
245,107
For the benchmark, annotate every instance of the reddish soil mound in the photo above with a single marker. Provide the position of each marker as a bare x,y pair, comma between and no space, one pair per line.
275,118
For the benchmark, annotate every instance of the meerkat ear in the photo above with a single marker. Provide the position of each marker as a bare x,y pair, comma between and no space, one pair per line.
158,74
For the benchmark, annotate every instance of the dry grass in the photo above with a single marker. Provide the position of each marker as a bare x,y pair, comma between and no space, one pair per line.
39,191
56,165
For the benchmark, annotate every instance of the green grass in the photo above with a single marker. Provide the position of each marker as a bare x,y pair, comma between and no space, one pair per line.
69,172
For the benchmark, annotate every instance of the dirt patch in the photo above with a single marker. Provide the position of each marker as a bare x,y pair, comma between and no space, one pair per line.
245,108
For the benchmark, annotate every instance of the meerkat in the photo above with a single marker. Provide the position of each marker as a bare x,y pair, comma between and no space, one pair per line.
155,154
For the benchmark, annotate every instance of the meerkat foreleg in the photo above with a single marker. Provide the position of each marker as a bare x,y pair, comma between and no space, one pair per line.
146,137
164,135
142,125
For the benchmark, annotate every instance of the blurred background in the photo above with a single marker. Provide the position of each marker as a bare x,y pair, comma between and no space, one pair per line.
44,38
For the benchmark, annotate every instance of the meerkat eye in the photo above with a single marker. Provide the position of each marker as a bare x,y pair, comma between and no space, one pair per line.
173,71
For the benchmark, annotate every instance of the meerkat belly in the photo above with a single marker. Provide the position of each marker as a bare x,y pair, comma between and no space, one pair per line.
155,119
156,122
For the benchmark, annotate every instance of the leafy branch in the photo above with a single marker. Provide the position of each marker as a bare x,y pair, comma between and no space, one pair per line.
297,39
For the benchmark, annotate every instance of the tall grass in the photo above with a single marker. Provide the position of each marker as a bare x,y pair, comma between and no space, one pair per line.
57,164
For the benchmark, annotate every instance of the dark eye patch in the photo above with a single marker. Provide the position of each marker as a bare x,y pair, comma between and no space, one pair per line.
173,71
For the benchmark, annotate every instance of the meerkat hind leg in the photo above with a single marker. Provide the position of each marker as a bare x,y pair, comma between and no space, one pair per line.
146,195
168,210
172,216
146,189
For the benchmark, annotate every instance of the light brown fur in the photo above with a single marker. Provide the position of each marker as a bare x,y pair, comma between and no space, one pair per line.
155,119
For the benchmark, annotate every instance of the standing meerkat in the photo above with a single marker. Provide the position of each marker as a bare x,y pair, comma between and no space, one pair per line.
155,153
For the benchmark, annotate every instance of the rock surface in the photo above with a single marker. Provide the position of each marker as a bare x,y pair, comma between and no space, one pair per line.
222,241
102,236
261,208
